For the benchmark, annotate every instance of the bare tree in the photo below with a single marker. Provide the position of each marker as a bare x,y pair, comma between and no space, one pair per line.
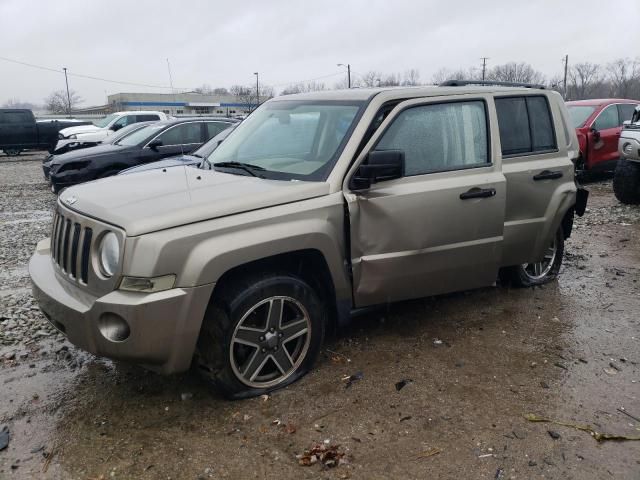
204,89
369,79
17,103
461,74
515,72
624,77
302,87
220,91
583,79
411,78
247,95
57,102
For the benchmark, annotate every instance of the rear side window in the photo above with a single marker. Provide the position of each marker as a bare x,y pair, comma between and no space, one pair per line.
147,118
214,128
625,111
439,137
525,125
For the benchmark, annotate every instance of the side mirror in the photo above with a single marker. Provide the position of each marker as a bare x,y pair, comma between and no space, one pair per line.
379,166
595,133
115,127
155,144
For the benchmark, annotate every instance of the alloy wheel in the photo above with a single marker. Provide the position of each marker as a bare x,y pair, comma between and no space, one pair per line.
539,270
270,342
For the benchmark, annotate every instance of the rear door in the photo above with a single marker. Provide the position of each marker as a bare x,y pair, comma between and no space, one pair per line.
603,142
176,140
438,228
18,129
538,170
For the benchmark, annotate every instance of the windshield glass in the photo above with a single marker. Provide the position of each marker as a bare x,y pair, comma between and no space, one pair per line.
291,139
140,136
105,121
579,114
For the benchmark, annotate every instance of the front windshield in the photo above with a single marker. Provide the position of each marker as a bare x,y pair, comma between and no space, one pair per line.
291,139
579,114
105,121
139,136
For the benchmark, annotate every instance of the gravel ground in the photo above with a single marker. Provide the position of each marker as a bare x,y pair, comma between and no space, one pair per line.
440,388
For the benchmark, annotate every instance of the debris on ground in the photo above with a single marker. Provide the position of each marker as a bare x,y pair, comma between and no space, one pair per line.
553,434
186,396
4,437
350,379
329,455
403,383
598,436
622,410
337,357
430,453
499,474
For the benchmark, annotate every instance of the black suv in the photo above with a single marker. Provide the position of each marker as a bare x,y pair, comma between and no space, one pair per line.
149,144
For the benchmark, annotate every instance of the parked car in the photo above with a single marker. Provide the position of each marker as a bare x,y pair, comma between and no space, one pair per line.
626,179
19,131
193,159
82,139
317,204
149,144
101,129
598,124
111,139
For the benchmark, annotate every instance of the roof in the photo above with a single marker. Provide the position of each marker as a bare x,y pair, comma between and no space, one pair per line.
600,101
362,94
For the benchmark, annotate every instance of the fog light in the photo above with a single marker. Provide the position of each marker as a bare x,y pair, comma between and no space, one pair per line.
113,327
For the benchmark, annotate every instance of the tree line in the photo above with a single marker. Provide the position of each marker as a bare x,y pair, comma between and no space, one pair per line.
617,79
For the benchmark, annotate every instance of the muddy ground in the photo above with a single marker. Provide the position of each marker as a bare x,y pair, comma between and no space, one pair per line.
478,362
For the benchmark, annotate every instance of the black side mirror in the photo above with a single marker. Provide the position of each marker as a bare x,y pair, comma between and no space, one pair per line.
379,166
115,127
155,144
596,134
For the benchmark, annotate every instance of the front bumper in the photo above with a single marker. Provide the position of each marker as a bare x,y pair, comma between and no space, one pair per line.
163,326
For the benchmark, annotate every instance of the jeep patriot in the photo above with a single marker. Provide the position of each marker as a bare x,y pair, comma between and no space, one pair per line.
316,205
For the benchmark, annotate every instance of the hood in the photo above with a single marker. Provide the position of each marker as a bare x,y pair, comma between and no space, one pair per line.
184,160
88,153
155,200
79,129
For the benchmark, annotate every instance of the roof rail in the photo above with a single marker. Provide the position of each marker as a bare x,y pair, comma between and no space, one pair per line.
462,83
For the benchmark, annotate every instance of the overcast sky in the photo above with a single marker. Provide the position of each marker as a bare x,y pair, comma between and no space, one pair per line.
223,43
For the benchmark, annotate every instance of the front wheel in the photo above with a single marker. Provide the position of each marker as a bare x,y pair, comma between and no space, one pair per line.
260,335
626,181
538,273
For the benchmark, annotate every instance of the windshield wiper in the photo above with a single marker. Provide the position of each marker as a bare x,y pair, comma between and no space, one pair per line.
247,167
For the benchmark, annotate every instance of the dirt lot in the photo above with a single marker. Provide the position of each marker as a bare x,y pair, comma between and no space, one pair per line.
477,363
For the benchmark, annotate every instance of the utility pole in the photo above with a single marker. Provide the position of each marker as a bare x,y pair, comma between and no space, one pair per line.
566,68
348,65
66,80
484,67
257,90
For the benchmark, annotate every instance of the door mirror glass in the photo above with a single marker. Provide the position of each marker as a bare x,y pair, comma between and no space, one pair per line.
115,127
380,165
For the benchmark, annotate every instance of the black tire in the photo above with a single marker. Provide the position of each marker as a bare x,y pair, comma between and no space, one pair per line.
520,275
626,182
220,359
12,152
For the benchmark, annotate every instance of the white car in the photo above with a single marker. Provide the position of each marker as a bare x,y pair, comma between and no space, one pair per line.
104,127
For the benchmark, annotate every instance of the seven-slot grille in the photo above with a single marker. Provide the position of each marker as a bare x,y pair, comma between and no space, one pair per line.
71,247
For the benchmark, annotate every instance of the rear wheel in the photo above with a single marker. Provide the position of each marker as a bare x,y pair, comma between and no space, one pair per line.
626,181
12,152
538,273
261,335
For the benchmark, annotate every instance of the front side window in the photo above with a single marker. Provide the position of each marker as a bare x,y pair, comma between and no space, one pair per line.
439,137
105,121
625,111
214,128
525,125
16,118
291,139
124,121
608,118
147,118
186,133
140,136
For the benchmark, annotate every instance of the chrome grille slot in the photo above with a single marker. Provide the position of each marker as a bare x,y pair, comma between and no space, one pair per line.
59,240
65,245
54,228
75,240
86,250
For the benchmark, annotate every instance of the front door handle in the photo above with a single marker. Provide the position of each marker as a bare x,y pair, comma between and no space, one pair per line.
476,192
547,175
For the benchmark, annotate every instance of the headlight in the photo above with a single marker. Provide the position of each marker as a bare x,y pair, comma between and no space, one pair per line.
109,253
148,285
73,136
627,148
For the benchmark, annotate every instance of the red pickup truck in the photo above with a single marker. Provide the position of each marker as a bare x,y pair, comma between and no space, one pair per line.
598,123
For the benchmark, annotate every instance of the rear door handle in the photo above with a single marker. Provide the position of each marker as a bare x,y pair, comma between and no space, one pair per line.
476,192
547,175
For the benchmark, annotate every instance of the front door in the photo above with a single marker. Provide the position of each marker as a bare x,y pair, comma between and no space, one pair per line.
603,139
439,228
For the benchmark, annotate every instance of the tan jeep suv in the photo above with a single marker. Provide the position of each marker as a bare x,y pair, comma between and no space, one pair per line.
316,205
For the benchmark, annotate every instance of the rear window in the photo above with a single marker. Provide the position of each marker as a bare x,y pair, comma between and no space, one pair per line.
525,125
